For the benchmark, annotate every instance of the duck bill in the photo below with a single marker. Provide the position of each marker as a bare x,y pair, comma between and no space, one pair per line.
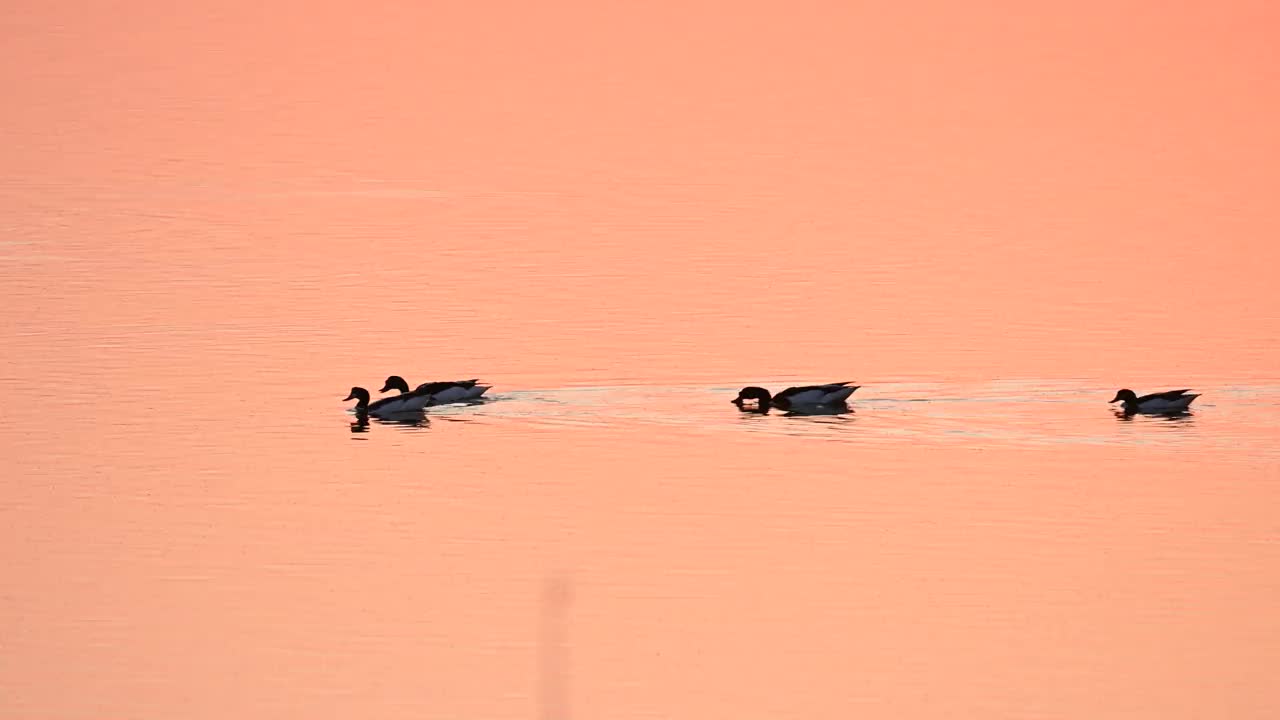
349,397
385,388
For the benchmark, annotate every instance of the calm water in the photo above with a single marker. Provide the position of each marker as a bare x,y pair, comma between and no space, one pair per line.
214,223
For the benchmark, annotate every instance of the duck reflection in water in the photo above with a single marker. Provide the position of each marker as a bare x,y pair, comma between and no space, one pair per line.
1178,416
406,419
795,411
412,419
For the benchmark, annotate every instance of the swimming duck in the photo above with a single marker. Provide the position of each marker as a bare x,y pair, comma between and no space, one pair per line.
387,406
1171,401
439,393
830,394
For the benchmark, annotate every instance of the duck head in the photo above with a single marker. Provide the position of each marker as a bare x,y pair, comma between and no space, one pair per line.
758,394
1126,396
360,395
395,382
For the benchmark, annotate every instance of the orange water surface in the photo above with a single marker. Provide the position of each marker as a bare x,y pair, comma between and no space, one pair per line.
216,219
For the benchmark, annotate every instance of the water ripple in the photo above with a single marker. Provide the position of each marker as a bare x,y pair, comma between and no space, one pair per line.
997,413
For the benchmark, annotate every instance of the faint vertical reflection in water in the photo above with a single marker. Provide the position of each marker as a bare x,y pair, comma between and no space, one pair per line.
553,649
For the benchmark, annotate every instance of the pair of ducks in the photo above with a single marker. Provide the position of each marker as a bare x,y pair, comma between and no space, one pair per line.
835,394
423,396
